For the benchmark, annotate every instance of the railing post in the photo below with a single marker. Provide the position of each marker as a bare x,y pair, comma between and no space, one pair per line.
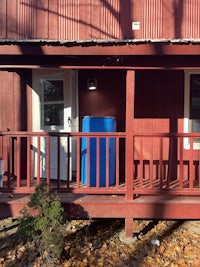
130,93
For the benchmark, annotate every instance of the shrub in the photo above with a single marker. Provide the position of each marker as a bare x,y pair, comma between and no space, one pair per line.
45,228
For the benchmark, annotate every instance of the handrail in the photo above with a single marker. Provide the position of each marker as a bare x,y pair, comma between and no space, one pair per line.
166,134
94,134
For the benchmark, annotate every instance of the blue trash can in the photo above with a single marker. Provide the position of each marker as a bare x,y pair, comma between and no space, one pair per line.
98,124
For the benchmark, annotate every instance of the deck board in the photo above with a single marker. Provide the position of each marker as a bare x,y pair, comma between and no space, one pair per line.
146,183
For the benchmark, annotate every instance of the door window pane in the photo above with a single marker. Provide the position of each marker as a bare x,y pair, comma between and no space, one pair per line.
53,114
53,90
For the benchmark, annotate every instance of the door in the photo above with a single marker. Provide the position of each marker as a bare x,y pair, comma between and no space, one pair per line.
54,110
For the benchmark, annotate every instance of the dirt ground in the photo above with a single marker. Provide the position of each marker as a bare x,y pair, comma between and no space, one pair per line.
97,243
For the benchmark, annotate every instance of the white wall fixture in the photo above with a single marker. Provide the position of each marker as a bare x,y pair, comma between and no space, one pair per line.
92,84
135,25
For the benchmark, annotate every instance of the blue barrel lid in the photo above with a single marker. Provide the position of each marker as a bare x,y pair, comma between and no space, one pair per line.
99,117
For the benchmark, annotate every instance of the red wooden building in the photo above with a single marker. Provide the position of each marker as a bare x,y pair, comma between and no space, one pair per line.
143,57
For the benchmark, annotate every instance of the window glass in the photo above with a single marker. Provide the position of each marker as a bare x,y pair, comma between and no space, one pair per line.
195,96
52,102
53,114
53,90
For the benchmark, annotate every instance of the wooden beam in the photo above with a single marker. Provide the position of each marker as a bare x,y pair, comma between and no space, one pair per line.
130,94
95,206
15,66
39,48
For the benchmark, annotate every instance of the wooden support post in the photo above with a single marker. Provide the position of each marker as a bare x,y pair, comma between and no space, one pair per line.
129,226
130,93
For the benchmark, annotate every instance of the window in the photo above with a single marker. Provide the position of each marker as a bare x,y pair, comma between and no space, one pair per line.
192,106
194,110
52,102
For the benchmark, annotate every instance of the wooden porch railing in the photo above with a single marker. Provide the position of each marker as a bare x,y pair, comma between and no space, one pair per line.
163,163
167,164
31,157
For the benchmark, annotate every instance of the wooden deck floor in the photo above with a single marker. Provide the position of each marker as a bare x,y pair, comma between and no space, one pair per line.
166,183
138,184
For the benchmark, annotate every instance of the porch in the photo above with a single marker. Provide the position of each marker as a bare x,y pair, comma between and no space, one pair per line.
165,180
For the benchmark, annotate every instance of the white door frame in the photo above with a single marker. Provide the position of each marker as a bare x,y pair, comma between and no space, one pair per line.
69,78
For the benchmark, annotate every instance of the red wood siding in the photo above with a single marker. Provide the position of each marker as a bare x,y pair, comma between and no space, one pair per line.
152,16
108,99
159,108
15,111
99,19
159,101
15,100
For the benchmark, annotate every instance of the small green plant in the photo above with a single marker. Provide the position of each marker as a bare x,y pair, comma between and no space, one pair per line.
46,227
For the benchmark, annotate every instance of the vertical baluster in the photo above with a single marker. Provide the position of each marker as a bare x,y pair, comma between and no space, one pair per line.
161,162
18,160
1,155
1,146
58,161
78,148
48,159
88,162
151,164
141,163
181,163
107,162
8,155
28,161
199,168
68,161
117,161
38,159
191,172
170,161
